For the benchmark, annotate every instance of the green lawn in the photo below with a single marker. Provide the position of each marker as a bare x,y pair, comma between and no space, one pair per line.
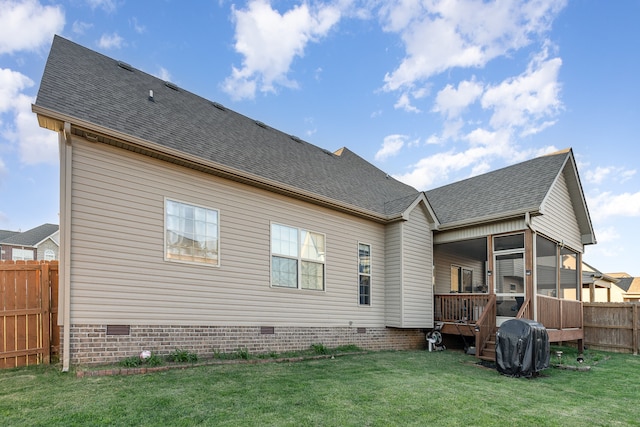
377,389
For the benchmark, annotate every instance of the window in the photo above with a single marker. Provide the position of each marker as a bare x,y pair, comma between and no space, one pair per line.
569,283
546,266
191,233
461,279
297,258
49,255
505,243
364,274
22,254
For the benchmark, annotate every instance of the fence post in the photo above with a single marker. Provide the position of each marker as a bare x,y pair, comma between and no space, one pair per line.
634,329
45,284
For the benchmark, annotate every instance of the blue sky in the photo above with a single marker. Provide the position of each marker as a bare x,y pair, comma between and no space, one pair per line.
429,91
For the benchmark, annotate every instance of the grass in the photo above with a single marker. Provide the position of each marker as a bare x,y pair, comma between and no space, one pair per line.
376,389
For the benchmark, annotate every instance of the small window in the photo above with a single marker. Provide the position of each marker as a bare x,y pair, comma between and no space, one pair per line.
297,258
364,274
505,243
461,279
191,233
49,255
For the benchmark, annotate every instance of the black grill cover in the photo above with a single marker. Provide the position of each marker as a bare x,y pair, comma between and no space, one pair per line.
522,348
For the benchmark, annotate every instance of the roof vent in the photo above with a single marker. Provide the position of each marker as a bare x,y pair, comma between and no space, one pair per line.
259,123
295,138
171,85
219,106
125,66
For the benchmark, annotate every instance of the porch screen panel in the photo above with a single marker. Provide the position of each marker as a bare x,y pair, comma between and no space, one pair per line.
569,274
546,266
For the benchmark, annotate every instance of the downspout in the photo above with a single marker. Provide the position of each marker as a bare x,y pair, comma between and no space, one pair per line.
534,272
65,242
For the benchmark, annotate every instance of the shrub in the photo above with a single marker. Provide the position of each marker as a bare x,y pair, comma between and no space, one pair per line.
242,353
182,356
319,349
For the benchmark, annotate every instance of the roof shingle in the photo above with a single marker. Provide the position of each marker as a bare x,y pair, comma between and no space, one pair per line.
82,84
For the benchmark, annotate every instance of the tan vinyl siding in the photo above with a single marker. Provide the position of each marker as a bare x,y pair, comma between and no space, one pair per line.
444,260
480,231
393,277
559,221
118,272
417,261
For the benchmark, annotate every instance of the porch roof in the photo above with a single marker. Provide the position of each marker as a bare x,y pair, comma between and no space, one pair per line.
510,192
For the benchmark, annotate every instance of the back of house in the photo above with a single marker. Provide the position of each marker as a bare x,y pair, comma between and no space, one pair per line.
187,225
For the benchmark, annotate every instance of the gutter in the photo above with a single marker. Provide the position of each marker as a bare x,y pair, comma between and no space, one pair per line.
65,240
492,218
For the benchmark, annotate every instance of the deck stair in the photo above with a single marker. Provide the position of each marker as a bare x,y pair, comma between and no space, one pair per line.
489,350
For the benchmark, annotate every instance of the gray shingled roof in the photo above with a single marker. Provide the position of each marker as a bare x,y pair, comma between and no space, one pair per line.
5,234
624,283
79,83
31,237
518,188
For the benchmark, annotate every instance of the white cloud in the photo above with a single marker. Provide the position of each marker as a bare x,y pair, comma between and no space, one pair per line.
597,175
28,25
111,41
451,101
35,145
80,27
108,6
269,42
524,101
137,27
404,103
607,205
391,145
12,83
163,74
4,171
485,148
440,35
600,174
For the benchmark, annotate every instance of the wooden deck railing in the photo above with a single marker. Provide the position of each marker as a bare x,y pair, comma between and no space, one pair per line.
525,310
460,307
561,317
555,313
486,325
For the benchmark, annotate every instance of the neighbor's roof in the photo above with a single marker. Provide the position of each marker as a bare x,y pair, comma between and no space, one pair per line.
5,234
31,237
510,191
99,94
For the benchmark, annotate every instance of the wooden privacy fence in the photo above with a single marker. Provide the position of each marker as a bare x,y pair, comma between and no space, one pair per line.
29,332
612,326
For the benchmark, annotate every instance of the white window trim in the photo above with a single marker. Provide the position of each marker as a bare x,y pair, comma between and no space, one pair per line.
49,255
164,241
299,259
364,274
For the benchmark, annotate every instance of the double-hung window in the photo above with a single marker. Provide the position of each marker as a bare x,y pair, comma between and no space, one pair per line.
191,233
364,274
297,258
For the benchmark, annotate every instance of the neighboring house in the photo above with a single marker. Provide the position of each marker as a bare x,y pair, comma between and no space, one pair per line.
4,234
39,243
185,224
600,287
629,285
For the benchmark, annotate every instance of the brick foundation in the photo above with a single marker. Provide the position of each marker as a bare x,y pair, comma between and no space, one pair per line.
90,344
